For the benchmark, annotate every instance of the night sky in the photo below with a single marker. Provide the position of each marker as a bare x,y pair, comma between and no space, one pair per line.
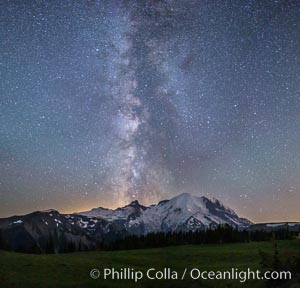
105,102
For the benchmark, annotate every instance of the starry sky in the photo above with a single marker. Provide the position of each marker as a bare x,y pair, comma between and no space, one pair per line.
107,101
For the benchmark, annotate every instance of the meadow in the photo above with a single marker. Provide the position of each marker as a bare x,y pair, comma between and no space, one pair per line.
73,269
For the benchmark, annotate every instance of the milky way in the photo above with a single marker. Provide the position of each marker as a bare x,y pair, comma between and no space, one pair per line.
105,102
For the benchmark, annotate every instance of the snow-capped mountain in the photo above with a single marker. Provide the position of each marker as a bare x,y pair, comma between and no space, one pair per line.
117,214
50,231
185,212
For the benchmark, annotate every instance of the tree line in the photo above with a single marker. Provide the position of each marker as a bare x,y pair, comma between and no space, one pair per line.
58,242
221,234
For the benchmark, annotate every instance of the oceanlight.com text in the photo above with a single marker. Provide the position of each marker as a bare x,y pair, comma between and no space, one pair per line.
188,273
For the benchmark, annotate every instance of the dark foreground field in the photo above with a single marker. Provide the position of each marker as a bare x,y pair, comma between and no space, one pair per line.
72,270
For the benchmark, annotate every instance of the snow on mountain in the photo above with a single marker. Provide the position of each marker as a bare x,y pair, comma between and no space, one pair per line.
185,212
117,214
50,231
291,226
188,212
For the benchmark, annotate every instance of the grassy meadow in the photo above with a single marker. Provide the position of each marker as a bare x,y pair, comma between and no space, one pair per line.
72,270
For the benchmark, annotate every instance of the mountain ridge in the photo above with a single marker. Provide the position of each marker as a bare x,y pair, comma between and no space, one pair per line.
180,208
49,230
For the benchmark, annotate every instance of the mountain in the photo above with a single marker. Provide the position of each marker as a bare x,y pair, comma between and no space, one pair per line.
185,212
52,232
49,231
291,226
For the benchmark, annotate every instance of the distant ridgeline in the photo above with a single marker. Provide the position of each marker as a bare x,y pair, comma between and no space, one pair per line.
292,226
184,219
